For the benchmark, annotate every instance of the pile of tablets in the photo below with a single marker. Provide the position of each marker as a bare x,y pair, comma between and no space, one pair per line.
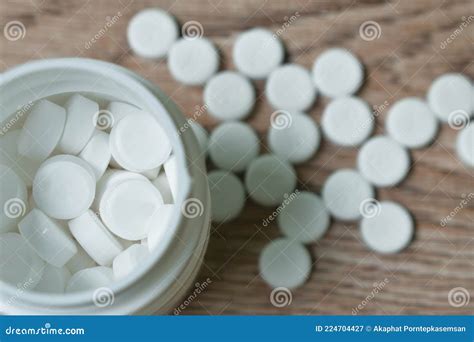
100,196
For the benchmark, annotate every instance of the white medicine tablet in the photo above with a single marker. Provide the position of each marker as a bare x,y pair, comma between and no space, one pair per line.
347,121
257,52
337,72
193,61
80,125
297,141
233,146
390,230
343,193
42,130
229,96
138,143
95,238
171,172
13,199
20,266
201,135
268,179
290,87
465,145
64,187
158,225
227,196
411,123
383,161
285,263
47,238
97,153
79,261
151,32
54,279
90,279
303,217
129,260
115,112
127,207
162,184
451,94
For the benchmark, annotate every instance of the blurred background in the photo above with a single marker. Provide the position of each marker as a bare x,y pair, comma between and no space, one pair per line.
412,43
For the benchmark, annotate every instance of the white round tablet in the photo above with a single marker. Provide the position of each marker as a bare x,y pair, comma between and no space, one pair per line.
233,146
47,238
129,260
347,121
193,61
138,143
171,172
151,32
21,266
304,217
64,187
296,141
337,72
343,192
201,135
465,145
162,184
268,179
450,94
127,207
290,87
383,161
229,96
41,131
54,280
95,238
285,263
97,153
257,52
90,279
390,231
79,261
227,196
158,226
115,112
13,199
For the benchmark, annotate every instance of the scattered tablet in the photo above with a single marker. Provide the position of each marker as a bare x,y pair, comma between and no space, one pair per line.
465,145
227,195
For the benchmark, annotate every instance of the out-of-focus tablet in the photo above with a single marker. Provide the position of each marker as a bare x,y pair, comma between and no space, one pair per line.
257,52
229,96
347,121
290,87
450,95
115,112
297,141
465,145
268,179
285,263
54,279
343,193
163,186
201,135
158,225
151,32
79,261
138,143
13,199
227,195
129,260
97,153
21,266
383,161
171,172
411,123
390,231
47,238
64,187
337,72
41,131
90,279
94,237
233,146
193,61
303,217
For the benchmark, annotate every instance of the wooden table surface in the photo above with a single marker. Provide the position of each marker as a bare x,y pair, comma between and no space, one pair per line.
401,62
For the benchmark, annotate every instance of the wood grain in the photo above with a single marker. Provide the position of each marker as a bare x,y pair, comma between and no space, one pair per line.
402,62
